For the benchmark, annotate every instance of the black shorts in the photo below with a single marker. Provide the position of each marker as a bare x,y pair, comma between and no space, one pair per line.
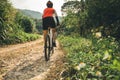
48,22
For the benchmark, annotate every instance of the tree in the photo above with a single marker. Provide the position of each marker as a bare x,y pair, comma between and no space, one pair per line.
76,15
104,13
73,6
98,15
7,15
27,24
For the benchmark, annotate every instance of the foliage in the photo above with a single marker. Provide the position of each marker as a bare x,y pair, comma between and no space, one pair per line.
7,12
35,18
26,23
70,22
14,26
20,37
91,15
91,58
96,56
38,23
7,15
106,14
103,12
73,6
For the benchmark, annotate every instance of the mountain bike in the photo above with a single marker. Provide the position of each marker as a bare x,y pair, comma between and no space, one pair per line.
49,48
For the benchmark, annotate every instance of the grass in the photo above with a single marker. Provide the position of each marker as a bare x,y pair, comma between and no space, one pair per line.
91,58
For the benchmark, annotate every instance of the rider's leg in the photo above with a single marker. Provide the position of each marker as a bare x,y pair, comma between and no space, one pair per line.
54,36
44,35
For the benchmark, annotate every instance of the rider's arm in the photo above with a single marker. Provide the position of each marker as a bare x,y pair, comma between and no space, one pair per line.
56,16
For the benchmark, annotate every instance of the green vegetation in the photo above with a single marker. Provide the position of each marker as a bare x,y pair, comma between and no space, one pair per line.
90,34
19,37
15,27
26,23
91,59
88,15
36,16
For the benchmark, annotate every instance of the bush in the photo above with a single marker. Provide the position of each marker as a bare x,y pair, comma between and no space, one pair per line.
91,58
19,37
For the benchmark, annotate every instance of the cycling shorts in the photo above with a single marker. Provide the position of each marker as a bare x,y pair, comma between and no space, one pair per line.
48,22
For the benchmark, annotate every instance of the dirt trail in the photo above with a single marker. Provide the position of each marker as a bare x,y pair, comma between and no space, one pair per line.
26,62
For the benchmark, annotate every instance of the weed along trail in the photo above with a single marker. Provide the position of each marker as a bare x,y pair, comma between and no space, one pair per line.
26,62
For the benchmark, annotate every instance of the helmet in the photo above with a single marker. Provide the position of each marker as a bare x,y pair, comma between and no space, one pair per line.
49,4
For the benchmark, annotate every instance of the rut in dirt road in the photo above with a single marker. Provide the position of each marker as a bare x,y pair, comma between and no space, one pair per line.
28,70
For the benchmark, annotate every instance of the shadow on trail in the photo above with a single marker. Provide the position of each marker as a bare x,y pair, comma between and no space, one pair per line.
27,70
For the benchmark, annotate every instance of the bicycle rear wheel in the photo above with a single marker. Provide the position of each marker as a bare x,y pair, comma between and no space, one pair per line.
47,48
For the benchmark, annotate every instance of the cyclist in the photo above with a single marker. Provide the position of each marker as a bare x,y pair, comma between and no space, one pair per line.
48,20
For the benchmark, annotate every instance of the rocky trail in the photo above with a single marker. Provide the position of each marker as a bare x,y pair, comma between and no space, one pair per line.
26,62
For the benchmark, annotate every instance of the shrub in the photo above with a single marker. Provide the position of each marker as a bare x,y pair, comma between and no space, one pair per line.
91,58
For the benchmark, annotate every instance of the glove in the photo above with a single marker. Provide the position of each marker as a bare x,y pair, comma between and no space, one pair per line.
57,21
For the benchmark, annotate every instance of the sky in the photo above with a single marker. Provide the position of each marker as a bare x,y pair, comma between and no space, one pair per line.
37,5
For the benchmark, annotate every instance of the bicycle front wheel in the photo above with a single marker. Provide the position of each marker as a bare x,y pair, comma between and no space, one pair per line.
47,48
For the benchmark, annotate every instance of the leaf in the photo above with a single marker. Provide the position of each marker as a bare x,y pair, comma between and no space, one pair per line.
107,55
116,65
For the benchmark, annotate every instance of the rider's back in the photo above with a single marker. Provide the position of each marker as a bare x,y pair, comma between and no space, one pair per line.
48,12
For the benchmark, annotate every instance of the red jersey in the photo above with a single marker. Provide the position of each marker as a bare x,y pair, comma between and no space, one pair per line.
48,12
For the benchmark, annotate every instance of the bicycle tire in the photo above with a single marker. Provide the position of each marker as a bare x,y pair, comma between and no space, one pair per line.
47,48
52,47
